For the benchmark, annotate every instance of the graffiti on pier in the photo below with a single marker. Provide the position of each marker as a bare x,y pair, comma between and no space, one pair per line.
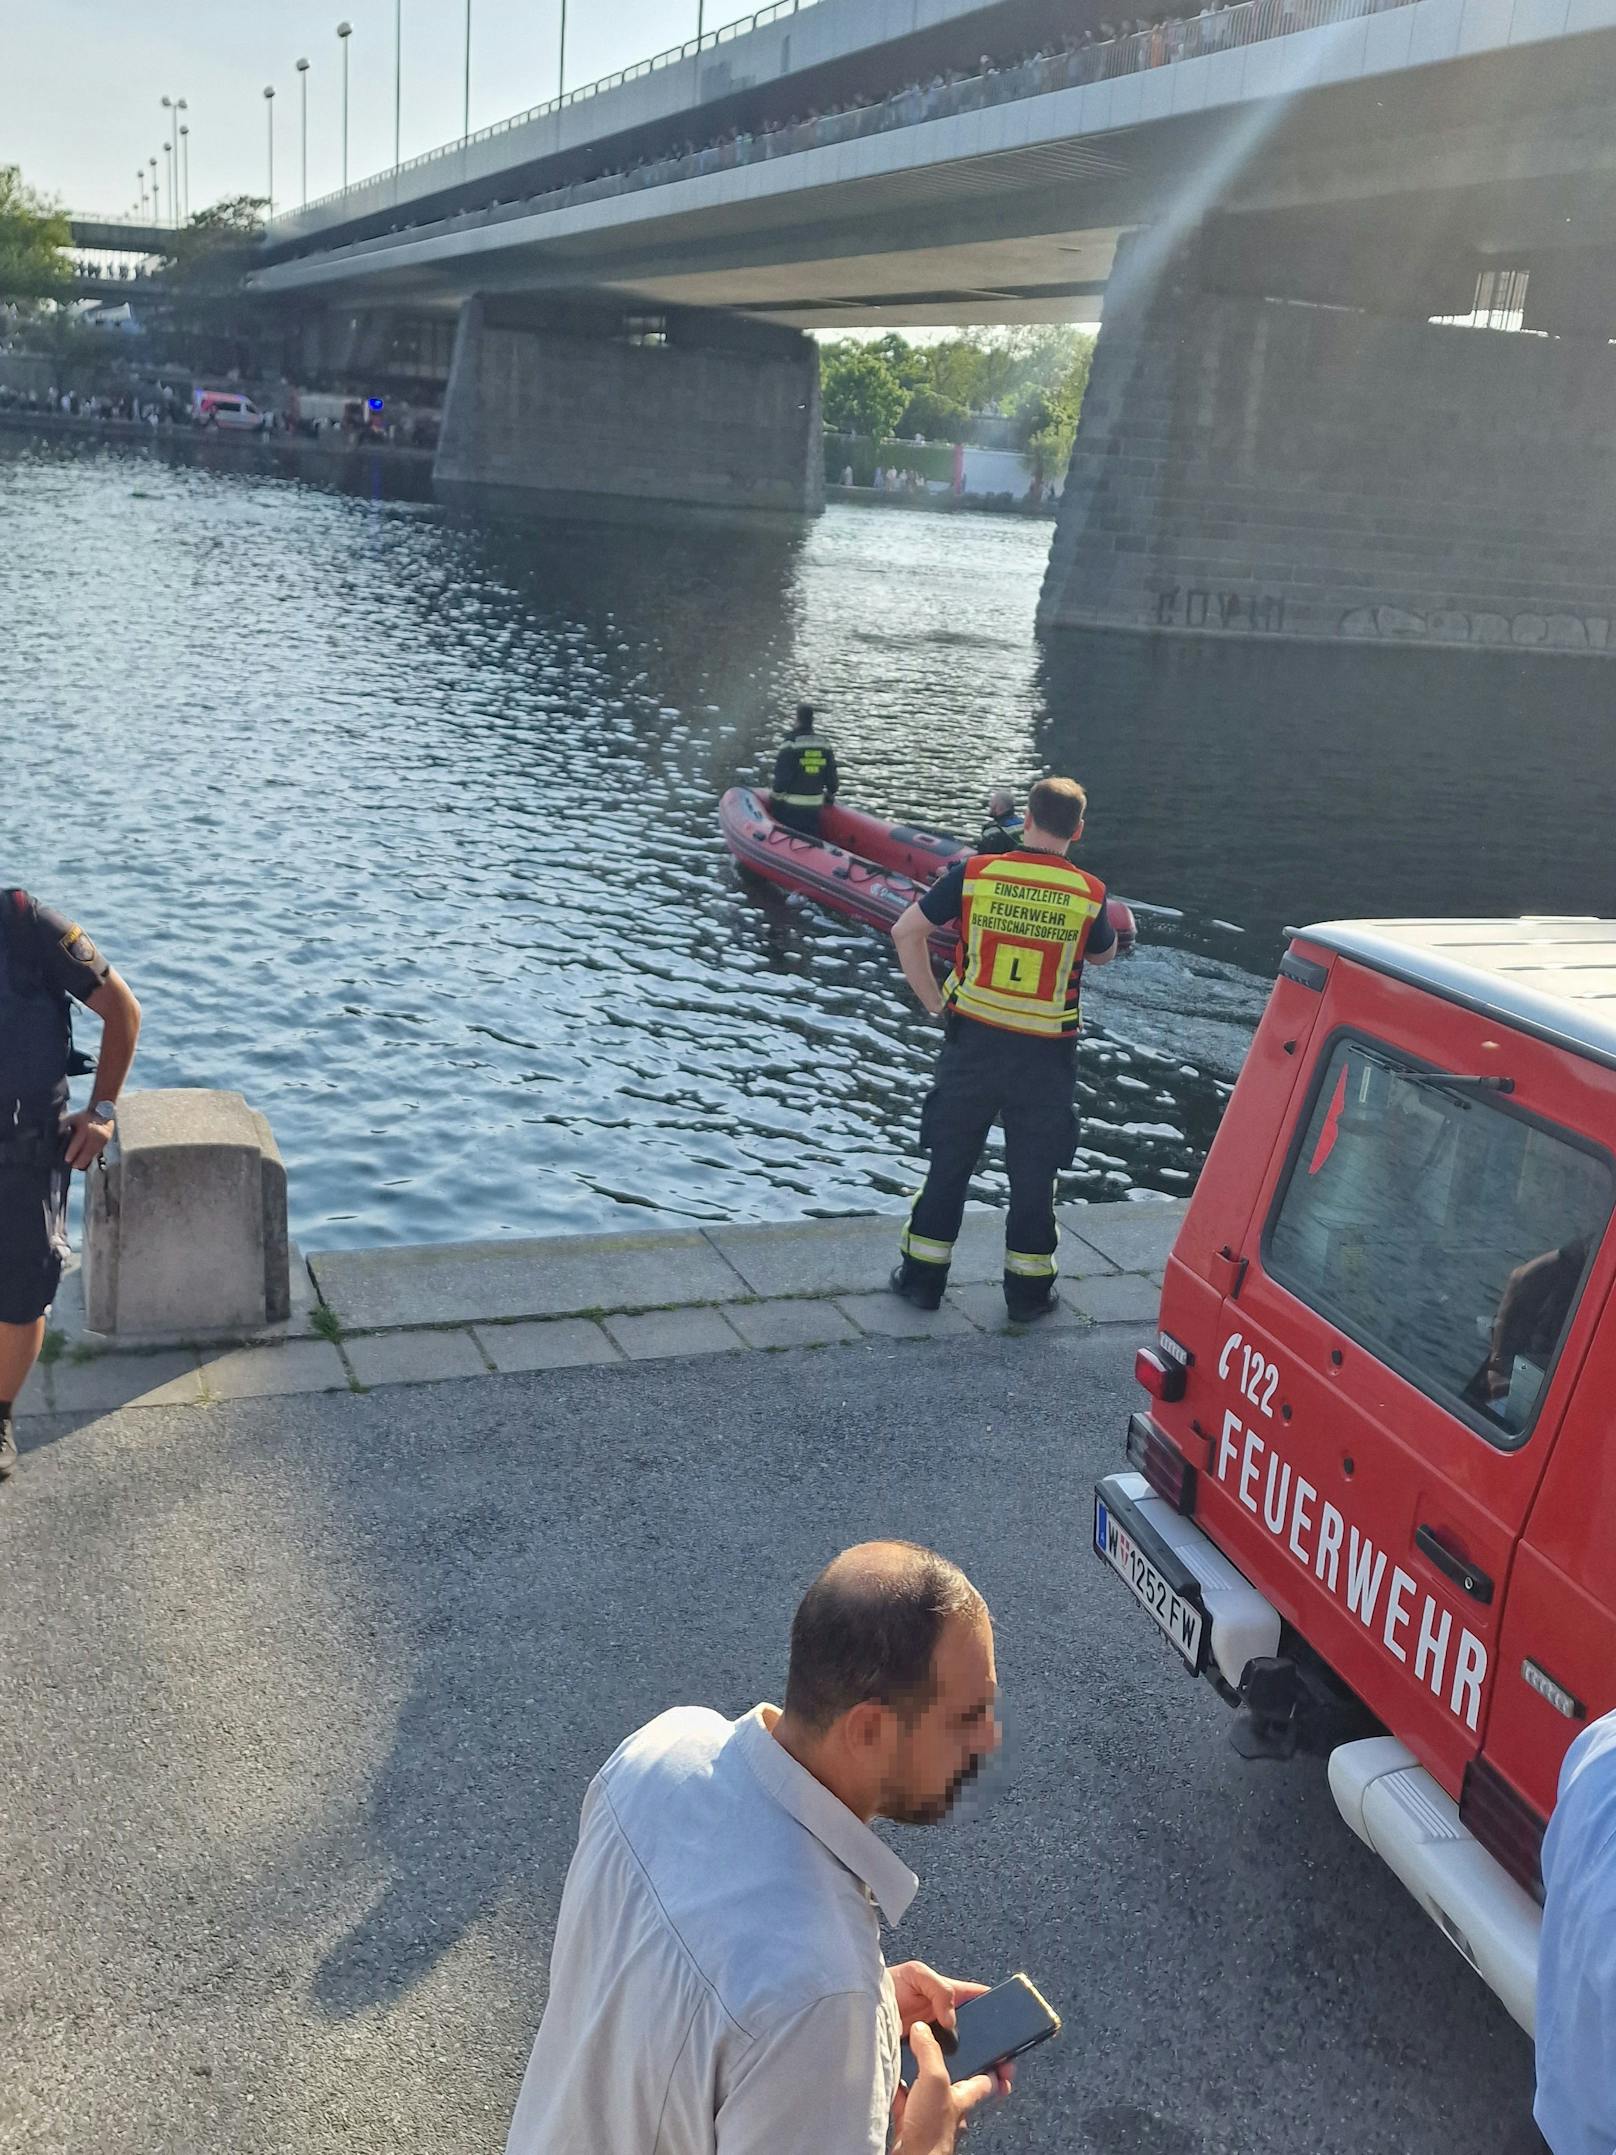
1527,631
1256,613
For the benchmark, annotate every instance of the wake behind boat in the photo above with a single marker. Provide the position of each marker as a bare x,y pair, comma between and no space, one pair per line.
858,865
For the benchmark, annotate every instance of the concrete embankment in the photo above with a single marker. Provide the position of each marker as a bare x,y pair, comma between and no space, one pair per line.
465,1310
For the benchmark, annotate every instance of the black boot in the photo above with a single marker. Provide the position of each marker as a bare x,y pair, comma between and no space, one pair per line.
920,1284
1026,1308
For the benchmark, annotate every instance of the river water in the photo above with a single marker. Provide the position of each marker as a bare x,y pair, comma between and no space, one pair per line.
405,827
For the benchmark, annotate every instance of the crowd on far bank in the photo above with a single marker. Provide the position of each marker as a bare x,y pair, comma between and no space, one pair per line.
162,406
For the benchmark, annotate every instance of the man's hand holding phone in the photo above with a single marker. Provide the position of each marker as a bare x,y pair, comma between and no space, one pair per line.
928,2116
931,2115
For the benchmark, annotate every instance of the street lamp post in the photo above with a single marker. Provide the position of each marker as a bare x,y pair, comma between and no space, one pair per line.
176,106
344,32
561,65
173,205
465,109
156,194
185,173
303,77
140,174
398,79
269,108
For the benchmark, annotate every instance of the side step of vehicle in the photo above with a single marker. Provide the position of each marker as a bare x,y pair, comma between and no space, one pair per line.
1395,1808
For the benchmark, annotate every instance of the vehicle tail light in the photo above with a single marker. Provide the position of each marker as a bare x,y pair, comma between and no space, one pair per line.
1162,1464
1504,1823
1162,1379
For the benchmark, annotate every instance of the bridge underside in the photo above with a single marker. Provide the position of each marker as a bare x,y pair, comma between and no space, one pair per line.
1282,436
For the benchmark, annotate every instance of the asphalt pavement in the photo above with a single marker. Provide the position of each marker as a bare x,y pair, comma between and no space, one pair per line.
300,1695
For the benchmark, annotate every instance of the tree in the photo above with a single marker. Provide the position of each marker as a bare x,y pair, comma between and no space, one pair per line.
859,393
33,234
214,247
934,417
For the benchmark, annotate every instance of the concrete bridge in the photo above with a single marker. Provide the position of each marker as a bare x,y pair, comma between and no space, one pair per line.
1281,211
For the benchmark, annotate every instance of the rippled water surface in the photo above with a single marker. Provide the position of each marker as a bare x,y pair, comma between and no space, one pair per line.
406,828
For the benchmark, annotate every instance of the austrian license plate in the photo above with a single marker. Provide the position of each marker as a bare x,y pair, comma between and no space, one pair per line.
1177,1618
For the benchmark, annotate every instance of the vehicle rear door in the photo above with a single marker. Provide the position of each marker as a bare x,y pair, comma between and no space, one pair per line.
1381,1418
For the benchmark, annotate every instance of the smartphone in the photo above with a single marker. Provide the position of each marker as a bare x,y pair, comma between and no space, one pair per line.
991,2030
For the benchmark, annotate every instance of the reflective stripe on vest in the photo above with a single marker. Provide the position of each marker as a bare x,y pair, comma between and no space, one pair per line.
1024,924
799,800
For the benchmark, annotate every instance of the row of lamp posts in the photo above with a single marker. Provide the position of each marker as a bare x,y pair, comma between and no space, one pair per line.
344,32
176,171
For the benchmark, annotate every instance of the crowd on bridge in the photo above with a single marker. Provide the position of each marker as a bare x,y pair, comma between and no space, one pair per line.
95,271
1109,49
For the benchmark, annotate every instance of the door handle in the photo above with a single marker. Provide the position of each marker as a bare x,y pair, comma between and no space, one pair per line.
1455,1567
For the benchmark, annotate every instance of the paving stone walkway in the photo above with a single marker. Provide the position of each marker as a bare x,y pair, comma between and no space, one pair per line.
364,1318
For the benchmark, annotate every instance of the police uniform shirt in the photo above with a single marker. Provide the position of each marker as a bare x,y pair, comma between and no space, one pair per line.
55,953
945,901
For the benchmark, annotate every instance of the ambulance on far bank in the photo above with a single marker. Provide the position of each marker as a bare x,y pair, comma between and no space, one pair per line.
1374,1497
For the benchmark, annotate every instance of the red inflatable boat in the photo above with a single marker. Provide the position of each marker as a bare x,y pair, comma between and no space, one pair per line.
857,865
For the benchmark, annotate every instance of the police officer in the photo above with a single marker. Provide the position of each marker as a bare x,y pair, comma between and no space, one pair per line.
1029,921
44,960
804,776
1004,827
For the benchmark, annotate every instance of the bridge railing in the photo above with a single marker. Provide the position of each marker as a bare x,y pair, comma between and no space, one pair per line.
1215,29
691,49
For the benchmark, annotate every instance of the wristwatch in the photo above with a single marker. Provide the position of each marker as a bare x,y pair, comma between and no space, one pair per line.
106,1111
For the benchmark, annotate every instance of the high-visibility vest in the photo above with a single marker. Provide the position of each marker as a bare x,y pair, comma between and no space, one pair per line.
802,771
1024,924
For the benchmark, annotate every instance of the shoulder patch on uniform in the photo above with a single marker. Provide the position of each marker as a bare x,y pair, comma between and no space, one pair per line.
77,946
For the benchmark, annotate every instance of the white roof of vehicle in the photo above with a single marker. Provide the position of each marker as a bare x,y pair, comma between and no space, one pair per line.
1549,976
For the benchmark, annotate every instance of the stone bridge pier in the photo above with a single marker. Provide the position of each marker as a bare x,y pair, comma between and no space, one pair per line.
586,408
1279,440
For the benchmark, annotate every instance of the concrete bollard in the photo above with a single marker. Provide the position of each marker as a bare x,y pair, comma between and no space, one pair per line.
185,1229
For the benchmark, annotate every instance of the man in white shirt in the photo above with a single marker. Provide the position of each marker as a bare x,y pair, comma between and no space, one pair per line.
1576,1970
717,1985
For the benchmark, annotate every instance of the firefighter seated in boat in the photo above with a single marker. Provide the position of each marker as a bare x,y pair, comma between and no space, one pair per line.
805,777
1003,828
1029,921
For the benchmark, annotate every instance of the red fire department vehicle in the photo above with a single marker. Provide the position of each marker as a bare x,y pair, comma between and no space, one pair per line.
1375,1497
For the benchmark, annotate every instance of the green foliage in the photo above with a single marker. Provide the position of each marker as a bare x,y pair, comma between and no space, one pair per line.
33,233
859,392
934,417
213,249
1034,376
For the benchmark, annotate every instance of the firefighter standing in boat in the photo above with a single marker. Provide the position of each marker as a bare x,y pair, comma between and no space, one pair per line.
1029,921
804,776
44,960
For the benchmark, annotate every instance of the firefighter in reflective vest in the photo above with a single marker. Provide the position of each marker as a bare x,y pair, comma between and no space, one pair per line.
1029,922
44,960
804,776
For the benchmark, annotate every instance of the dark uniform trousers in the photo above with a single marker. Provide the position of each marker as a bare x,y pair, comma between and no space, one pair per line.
986,1074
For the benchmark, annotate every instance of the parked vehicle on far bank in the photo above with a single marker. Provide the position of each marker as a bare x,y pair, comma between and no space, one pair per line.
228,408
1375,1497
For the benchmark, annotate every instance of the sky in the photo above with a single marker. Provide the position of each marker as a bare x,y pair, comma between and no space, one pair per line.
81,82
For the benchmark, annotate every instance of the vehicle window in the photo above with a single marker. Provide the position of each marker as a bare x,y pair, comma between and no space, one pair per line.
1446,1232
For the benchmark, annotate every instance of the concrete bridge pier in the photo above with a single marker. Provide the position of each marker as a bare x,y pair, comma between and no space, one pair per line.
591,409
1275,444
